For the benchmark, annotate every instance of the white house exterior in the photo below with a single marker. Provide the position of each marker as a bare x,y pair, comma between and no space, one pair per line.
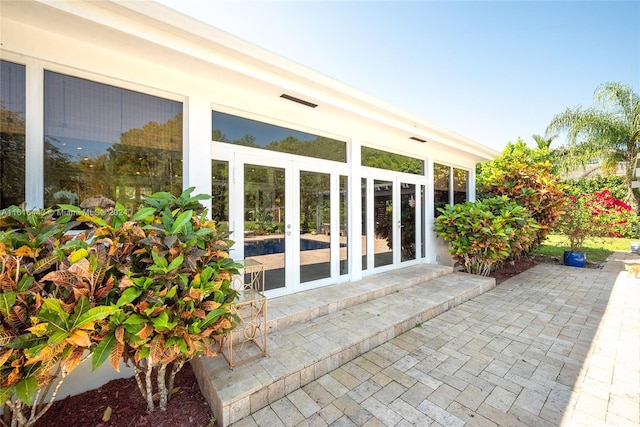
124,98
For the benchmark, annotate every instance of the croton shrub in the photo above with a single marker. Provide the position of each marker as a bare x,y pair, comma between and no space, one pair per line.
485,233
527,176
152,288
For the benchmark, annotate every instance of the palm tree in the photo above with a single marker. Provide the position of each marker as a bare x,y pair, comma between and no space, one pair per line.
609,132
542,142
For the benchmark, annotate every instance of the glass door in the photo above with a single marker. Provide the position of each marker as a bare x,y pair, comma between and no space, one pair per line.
385,231
267,231
315,226
392,231
289,215
323,238
408,224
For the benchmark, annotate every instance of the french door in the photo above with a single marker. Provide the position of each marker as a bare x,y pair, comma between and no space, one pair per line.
291,216
392,208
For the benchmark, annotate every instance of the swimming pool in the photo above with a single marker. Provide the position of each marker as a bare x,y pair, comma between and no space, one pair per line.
276,246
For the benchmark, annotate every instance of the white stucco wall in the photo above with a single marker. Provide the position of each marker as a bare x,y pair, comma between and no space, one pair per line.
177,58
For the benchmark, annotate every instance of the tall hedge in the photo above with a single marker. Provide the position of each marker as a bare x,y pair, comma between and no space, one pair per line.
526,176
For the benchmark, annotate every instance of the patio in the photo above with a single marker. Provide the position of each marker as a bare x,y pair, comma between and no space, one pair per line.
553,346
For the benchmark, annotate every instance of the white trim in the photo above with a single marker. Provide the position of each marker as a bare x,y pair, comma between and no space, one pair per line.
34,138
355,206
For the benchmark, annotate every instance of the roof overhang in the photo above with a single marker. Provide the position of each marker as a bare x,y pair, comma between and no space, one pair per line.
160,35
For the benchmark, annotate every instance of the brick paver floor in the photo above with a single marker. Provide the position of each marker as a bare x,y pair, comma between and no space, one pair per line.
553,346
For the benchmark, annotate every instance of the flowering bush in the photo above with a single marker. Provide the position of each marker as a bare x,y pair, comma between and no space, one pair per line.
614,216
598,214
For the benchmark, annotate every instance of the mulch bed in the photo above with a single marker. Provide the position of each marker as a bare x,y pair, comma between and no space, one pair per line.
511,269
187,407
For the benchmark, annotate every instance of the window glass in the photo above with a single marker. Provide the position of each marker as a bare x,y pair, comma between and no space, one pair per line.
12,134
364,216
104,144
251,133
374,158
459,185
220,194
384,229
423,192
441,183
344,219
315,226
407,221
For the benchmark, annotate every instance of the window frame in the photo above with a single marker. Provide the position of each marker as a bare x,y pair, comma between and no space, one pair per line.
34,117
451,184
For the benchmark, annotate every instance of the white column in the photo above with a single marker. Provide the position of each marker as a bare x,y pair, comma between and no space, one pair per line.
34,136
429,211
197,146
355,212
471,185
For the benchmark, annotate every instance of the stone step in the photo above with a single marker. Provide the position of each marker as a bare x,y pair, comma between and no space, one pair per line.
314,332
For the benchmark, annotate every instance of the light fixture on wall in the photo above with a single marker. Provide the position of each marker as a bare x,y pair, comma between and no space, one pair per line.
298,100
415,138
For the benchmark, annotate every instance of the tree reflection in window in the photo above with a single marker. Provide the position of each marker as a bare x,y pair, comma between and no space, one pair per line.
460,179
102,140
391,161
236,130
441,187
449,182
12,134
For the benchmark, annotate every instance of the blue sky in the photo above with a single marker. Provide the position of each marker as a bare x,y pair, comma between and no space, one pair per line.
491,71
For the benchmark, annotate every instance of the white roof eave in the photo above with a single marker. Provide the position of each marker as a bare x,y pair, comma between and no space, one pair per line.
163,26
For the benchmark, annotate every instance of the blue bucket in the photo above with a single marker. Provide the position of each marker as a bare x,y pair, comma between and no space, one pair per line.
575,259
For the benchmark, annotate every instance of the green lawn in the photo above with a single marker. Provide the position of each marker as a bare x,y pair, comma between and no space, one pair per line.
597,250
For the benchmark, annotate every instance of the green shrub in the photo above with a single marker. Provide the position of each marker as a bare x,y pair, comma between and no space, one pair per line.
614,183
152,289
598,214
485,233
46,326
173,275
527,177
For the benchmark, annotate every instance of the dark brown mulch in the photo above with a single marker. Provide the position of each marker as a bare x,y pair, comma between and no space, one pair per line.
510,269
187,408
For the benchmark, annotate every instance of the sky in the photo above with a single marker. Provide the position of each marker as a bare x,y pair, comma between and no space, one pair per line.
492,71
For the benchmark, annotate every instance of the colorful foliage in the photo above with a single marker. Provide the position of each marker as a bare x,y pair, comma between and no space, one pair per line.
485,233
46,323
525,176
152,289
598,214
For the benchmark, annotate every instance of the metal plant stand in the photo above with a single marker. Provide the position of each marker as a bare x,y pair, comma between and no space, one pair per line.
248,341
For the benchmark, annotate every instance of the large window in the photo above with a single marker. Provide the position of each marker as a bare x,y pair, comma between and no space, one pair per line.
450,185
441,187
240,131
104,144
12,134
220,194
374,158
460,179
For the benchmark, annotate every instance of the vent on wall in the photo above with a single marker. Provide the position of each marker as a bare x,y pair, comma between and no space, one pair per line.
298,100
417,139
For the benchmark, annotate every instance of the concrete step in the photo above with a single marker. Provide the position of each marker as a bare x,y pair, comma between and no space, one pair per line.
314,332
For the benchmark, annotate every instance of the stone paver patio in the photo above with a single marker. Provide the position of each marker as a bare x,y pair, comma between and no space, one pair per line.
552,346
